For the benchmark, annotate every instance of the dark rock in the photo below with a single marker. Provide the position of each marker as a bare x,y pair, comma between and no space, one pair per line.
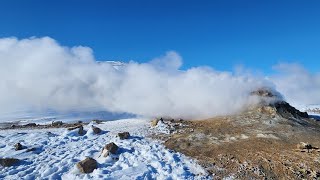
124,135
96,130
18,147
87,165
287,111
30,125
57,123
97,121
31,149
111,147
7,162
81,131
74,127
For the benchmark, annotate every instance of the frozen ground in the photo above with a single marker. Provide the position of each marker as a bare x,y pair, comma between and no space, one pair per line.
44,117
313,110
58,151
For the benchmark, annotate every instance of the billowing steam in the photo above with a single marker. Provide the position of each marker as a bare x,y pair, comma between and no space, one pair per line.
39,73
299,86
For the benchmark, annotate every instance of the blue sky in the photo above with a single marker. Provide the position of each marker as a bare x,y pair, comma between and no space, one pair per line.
221,33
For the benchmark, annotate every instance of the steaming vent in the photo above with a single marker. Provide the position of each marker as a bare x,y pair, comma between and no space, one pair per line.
272,103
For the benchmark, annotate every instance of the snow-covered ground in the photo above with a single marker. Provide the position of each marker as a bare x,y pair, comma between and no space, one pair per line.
58,151
313,110
46,117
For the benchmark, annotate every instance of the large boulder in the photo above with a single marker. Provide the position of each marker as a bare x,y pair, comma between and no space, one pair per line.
87,165
110,148
7,162
124,135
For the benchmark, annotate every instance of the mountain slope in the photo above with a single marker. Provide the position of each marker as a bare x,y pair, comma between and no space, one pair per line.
262,142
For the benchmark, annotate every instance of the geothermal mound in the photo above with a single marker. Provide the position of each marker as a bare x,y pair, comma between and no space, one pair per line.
268,141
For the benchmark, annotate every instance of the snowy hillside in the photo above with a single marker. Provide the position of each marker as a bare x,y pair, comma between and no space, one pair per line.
57,151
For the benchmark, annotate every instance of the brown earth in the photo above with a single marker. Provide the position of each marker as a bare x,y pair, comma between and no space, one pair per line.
260,143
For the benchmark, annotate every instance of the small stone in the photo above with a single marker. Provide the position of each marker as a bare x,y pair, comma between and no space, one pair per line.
7,162
87,165
56,123
124,135
18,147
96,130
112,148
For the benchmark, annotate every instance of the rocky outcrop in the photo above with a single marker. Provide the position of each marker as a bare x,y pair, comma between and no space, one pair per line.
88,165
285,110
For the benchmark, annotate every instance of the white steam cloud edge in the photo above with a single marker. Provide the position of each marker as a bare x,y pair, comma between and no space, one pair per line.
298,86
39,73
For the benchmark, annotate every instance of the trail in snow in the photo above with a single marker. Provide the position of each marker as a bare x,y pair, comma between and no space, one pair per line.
58,151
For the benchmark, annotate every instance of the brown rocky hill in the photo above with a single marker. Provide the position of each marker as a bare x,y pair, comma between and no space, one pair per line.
270,141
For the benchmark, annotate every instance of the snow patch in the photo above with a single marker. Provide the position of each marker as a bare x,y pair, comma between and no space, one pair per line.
58,151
